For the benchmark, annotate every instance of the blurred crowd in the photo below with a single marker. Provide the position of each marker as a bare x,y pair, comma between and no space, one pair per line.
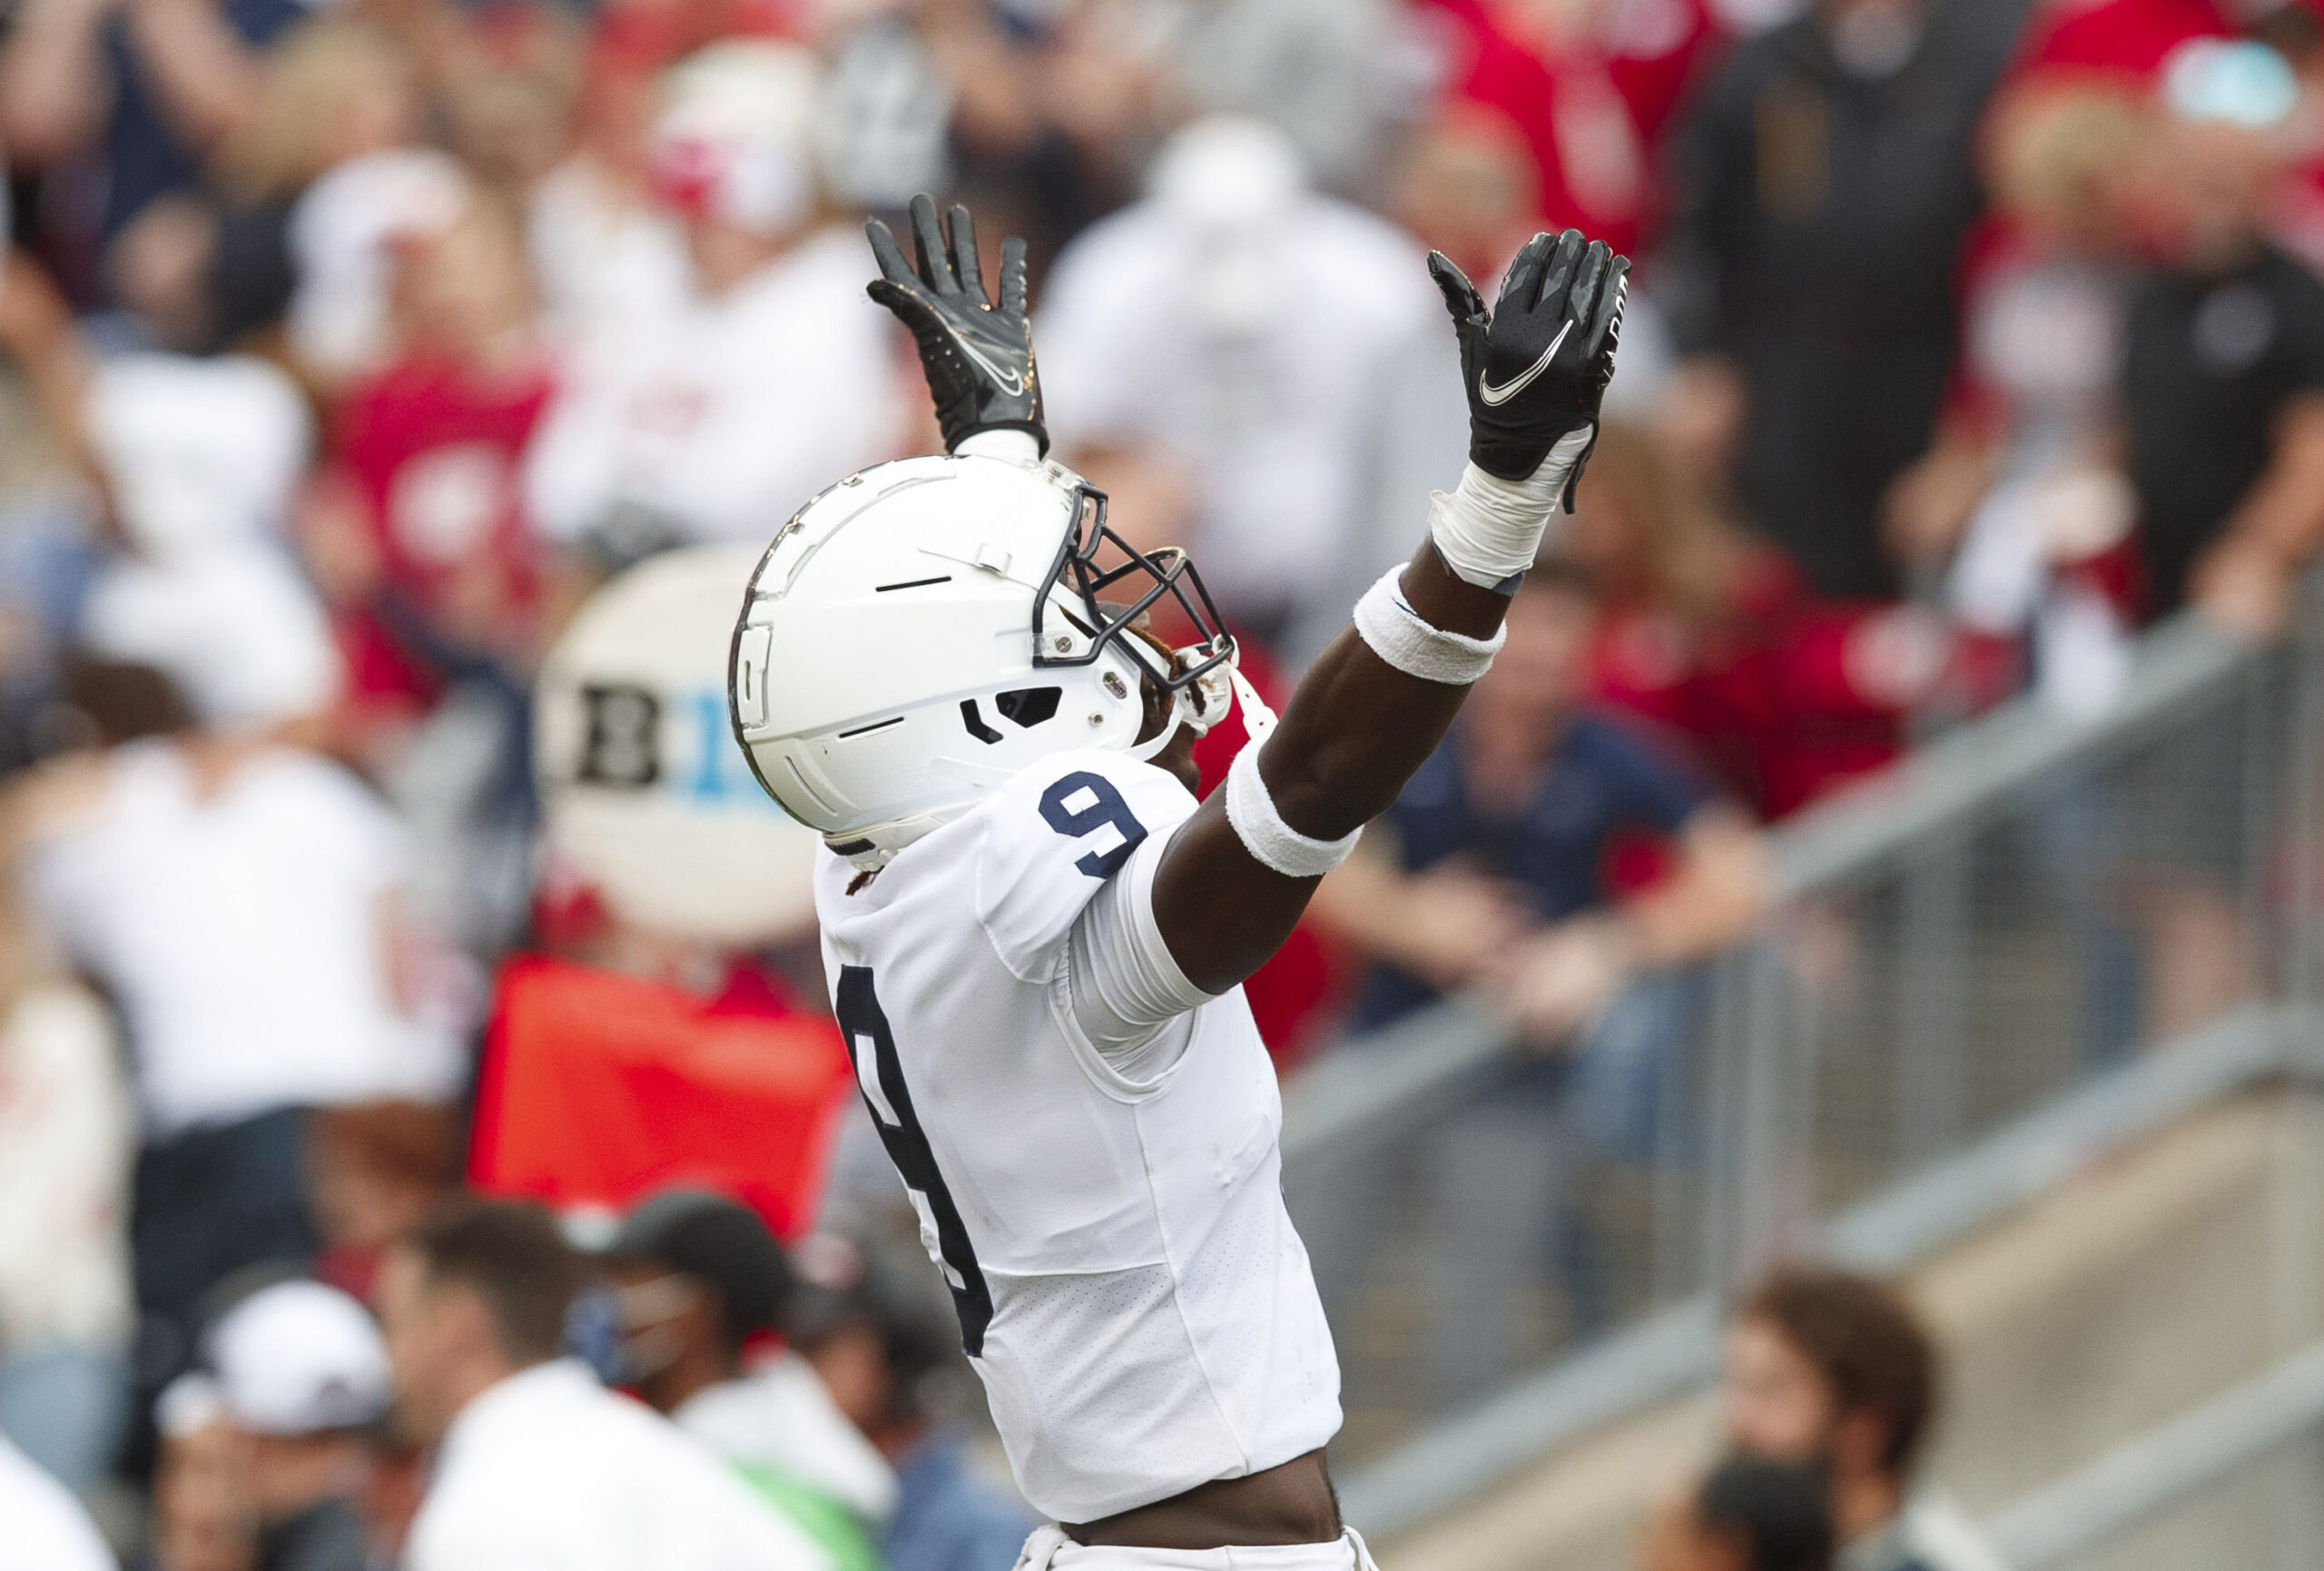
368,847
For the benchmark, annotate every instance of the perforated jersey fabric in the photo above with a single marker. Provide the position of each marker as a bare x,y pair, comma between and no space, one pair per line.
1110,1223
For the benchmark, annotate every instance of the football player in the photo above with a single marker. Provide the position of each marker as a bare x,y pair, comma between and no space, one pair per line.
1034,935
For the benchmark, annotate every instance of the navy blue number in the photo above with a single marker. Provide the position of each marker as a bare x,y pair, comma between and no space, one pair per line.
1108,809
865,1025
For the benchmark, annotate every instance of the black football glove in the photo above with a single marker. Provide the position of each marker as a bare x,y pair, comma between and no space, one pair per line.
978,356
1537,367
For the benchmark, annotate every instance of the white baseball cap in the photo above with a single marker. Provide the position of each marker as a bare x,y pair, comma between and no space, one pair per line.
298,1357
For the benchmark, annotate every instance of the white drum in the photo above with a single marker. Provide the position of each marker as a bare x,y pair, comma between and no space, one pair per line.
647,793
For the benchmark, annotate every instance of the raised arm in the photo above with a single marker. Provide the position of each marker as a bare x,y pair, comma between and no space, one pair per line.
1235,878
1239,873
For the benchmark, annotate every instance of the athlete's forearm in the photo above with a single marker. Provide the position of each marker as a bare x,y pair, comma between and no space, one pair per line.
1357,727
1353,733
1237,875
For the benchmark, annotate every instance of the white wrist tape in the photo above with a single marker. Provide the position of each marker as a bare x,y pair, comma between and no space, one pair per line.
1267,836
1007,442
1490,529
1418,647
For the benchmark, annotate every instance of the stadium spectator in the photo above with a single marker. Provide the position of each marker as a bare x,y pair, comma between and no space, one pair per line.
1591,88
47,1530
1497,874
537,1463
1833,1371
2020,479
1038,116
1223,332
879,1330
1690,608
715,415
154,88
211,266
702,1281
234,895
373,1168
599,245
1747,1515
1338,77
67,1137
300,1372
2223,373
1463,183
415,531
429,555
1823,183
506,78
1492,872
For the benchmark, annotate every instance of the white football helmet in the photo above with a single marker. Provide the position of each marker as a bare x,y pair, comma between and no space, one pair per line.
924,630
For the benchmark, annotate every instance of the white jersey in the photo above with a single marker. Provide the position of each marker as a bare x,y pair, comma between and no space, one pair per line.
1128,1285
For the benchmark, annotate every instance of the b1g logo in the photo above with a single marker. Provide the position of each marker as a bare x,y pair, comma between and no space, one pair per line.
632,741
621,741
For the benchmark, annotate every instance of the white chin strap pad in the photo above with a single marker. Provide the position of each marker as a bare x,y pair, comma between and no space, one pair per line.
1274,843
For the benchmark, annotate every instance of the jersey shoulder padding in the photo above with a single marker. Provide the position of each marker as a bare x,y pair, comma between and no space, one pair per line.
1047,841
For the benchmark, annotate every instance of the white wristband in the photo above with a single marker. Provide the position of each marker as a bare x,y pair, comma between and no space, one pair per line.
1267,836
1402,637
1490,529
1006,442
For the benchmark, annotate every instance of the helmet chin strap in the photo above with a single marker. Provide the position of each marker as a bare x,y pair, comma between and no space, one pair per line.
1202,703
1257,718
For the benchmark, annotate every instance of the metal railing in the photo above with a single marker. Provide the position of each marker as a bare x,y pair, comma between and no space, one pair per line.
2248,1465
1968,956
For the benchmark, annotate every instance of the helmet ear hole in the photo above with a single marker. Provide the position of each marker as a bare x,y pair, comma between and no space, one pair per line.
1027,706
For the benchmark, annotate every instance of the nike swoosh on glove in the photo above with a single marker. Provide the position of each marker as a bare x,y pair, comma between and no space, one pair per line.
978,356
1537,367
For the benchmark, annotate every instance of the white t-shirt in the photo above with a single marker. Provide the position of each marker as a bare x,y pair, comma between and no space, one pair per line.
782,1418
721,417
1270,416
1110,1221
66,1138
244,936
41,1527
549,1471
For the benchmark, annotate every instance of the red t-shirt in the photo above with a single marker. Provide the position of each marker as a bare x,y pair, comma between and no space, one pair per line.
1707,685
1593,113
433,449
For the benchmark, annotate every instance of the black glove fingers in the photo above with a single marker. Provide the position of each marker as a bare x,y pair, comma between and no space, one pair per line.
1460,296
966,265
894,268
1588,278
1606,327
1521,284
928,240
1012,277
1557,277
